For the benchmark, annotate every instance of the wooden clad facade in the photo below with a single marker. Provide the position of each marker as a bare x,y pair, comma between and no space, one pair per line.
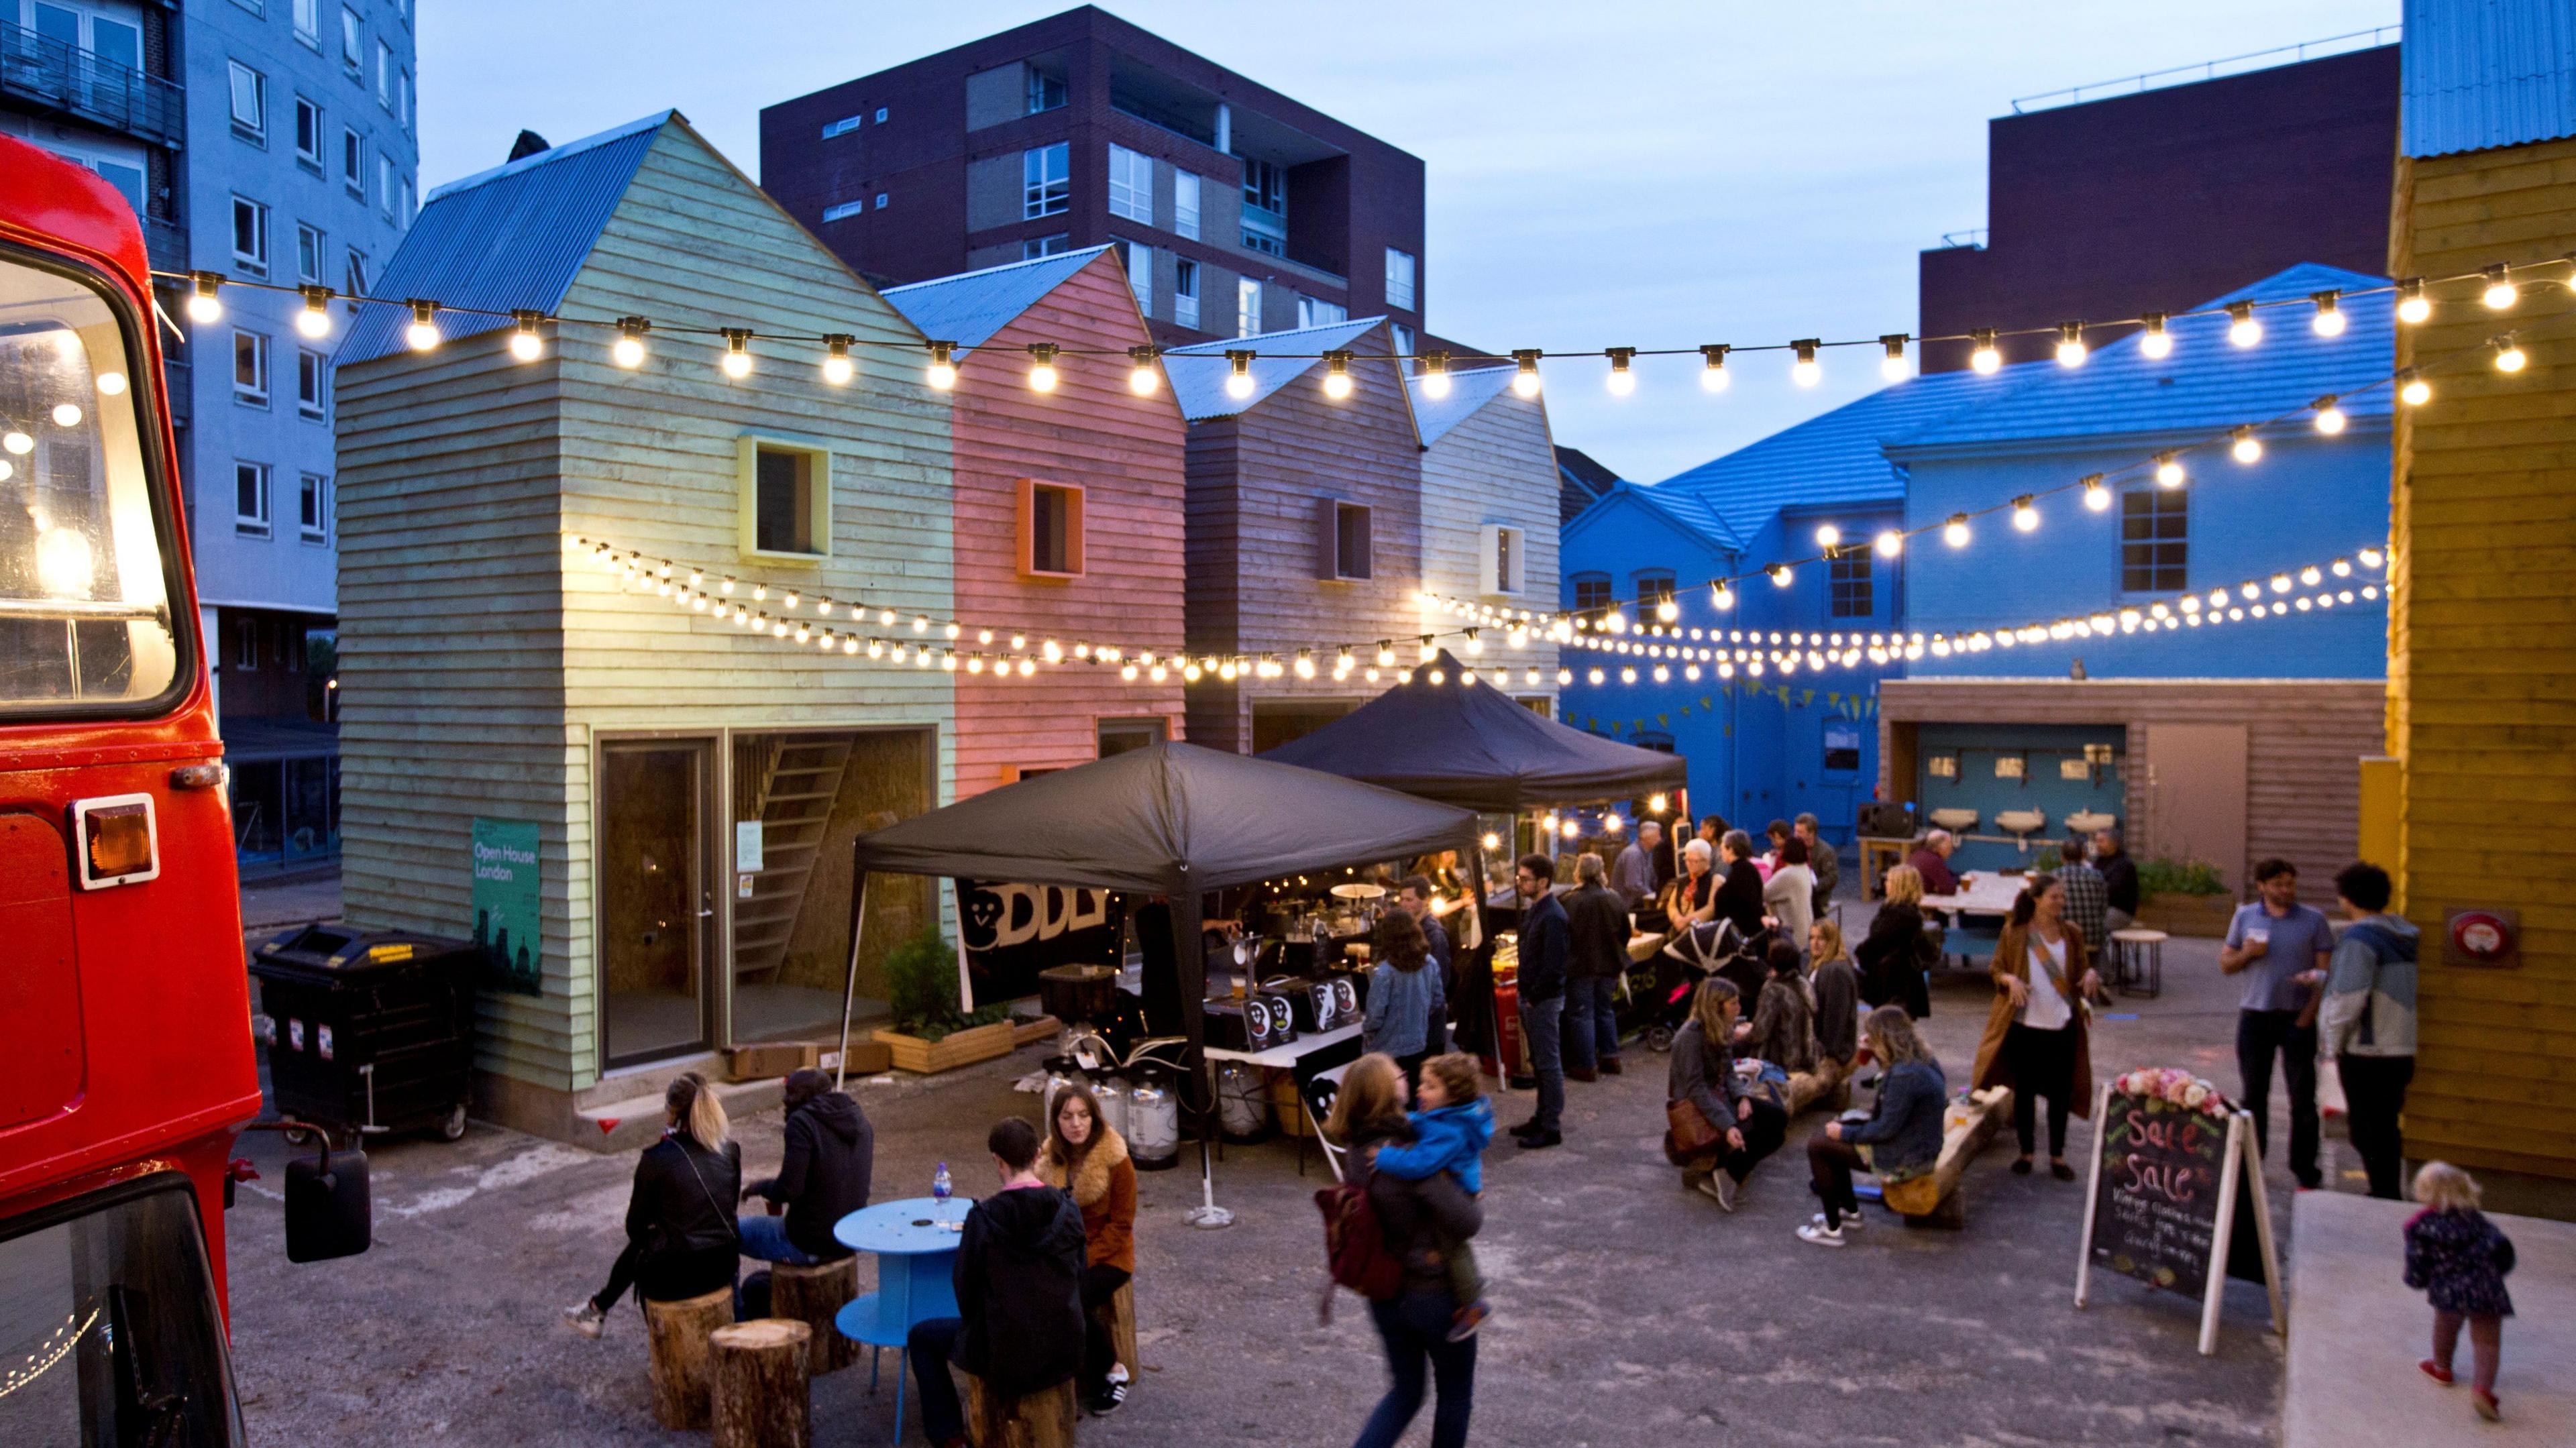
2482,716
1496,467
1124,453
1257,483
488,670
2304,742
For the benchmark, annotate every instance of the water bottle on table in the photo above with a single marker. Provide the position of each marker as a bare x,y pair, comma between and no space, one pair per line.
939,1184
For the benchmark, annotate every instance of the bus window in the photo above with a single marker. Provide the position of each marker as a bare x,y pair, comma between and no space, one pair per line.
85,592
108,1331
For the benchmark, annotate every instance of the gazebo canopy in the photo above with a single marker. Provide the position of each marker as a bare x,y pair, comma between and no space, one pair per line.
1474,745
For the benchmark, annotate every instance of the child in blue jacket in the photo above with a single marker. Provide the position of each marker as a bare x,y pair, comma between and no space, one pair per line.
1452,1126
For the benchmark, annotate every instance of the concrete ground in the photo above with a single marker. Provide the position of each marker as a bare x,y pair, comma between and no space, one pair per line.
1629,1311
271,907
2357,1330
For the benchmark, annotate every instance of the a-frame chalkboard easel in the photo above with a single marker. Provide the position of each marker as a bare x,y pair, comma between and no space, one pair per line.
2150,1198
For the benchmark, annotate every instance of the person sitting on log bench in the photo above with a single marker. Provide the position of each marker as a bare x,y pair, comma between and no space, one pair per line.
1088,1159
680,1239
823,1177
1018,1277
1901,1140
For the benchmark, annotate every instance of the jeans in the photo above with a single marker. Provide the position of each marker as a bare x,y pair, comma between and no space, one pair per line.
2374,1092
2043,1064
2258,1035
1540,1023
764,1239
1830,1164
1591,1021
943,1419
1414,1329
1099,1284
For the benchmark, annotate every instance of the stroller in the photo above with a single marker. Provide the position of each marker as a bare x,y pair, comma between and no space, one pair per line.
1659,988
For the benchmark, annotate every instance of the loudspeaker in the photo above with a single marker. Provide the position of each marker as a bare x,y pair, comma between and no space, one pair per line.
1887,820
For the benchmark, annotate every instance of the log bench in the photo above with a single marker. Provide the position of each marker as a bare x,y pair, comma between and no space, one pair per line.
1989,1110
761,1393
1043,1419
678,1334
815,1296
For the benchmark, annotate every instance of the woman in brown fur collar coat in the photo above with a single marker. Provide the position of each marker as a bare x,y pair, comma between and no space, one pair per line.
1086,1158
2036,1039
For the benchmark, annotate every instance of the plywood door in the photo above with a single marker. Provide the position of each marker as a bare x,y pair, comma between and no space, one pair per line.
655,897
2196,795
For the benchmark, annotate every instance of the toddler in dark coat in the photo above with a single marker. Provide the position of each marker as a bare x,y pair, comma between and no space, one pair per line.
2458,1259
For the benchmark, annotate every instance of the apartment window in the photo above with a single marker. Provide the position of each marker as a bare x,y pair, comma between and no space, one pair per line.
1131,184
113,41
385,183
356,275
311,368
249,102
1140,273
250,235
1316,312
1038,246
1046,175
881,115
384,75
1653,591
255,7
1185,204
843,210
1500,565
309,251
353,162
308,134
1592,593
1401,336
312,513
308,22
1185,292
250,514
1399,279
1341,539
1247,307
2155,540
1050,529
353,44
1265,207
250,367
402,98
1117,736
246,641
786,498
881,201
1848,576
403,213
1046,90
841,127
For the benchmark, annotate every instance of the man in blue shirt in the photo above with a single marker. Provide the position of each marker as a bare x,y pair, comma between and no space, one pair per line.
1546,957
2281,948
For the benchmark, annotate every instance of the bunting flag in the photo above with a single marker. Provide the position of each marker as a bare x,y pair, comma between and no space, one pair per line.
1663,721
1706,703
1806,697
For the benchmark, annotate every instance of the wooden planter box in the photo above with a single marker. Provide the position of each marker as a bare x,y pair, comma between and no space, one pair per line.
957,1048
2202,915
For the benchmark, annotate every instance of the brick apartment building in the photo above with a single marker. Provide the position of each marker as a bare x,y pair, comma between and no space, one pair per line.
1237,211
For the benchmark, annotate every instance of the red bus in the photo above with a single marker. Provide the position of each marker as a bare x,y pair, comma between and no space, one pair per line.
127,1068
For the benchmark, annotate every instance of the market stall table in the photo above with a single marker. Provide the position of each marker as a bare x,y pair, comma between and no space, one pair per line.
1979,896
915,1243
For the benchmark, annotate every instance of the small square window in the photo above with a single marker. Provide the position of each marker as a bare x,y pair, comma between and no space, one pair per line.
250,235
250,506
1592,594
1342,540
312,374
881,201
786,505
250,367
881,115
1046,91
1654,590
1118,736
313,509
308,134
1050,529
249,102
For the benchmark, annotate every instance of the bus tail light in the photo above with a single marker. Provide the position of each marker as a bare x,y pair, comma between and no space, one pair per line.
118,844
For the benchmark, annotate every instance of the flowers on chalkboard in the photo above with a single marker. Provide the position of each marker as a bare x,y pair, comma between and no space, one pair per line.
2172,1086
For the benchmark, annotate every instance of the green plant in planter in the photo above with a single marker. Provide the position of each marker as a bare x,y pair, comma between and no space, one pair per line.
2048,861
2179,877
921,989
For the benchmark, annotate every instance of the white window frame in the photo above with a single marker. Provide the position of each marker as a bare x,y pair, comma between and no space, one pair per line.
1502,561
255,260
1316,312
1185,303
312,384
405,212
1048,194
1140,273
841,211
402,99
353,41
1403,277
384,75
1185,204
353,146
1052,244
253,390
308,23
248,92
385,184
254,524
311,246
818,502
1247,307
841,127
315,158
1131,184
354,273
313,507
1402,338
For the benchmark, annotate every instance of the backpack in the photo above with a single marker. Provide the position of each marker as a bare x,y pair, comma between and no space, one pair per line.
1355,1248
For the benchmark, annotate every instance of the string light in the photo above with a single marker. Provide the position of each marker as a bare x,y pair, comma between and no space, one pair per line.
1780,574
203,304
2025,513
2169,473
2509,356
2096,496
1893,366
1621,381
1828,536
1891,542
1238,380
1984,357
1435,374
2501,292
1142,375
2329,321
2242,328
422,334
2412,389
1721,598
2248,447
1712,373
1955,532
2071,350
1042,374
1337,374
2413,307
2157,344
2330,416
1806,372
526,343
628,350
837,367
941,374
315,320
737,353
1525,381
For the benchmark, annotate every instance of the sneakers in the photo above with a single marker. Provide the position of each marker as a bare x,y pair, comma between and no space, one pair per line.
2436,1372
1820,1235
1718,1187
1470,1317
1852,1221
2486,1404
1106,1401
586,1318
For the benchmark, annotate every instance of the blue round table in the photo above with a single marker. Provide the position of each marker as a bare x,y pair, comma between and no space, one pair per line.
915,1242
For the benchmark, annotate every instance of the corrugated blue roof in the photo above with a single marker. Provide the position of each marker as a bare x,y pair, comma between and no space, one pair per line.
1200,386
1682,510
2206,385
2483,73
1468,393
970,307
511,237
1835,458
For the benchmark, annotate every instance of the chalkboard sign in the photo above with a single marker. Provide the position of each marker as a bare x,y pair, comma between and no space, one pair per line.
2168,1152
1011,932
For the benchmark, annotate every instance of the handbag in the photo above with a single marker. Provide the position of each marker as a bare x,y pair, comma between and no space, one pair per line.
1689,1133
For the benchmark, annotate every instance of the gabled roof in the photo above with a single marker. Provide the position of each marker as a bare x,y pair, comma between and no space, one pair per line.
1581,480
511,237
2206,385
970,307
1835,458
1468,393
1200,386
1675,511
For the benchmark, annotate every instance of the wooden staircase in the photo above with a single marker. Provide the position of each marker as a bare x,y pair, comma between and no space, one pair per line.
788,784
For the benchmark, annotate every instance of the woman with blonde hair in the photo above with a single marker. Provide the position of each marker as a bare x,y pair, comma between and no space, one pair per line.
1897,951
1414,1218
1703,1074
1901,1139
2036,1041
1834,982
680,1238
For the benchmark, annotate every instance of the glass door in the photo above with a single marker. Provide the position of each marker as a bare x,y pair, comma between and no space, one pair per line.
657,907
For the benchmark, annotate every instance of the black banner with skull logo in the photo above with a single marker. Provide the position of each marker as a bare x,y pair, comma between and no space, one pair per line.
1012,932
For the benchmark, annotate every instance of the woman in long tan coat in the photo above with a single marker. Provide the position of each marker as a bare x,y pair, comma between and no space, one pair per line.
2036,1040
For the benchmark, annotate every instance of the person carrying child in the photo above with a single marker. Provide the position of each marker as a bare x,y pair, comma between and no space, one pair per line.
2458,1259
1452,1123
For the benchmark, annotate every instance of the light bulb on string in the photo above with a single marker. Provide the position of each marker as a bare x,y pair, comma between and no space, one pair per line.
526,342
315,319
1143,377
2169,473
1806,371
1781,575
2097,497
1525,381
2242,328
2329,320
2157,344
1712,373
2509,356
628,350
1828,536
941,374
2413,307
203,304
2071,350
2025,514
1238,378
2248,448
1337,375
1721,597
1435,374
1042,373
2501,292
2330,417
1891,542
422,335
737,352
838,369
1955,532
1982,354
2412,389
1893,366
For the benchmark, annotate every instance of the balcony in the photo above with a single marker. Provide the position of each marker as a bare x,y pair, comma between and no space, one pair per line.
61,79
167,242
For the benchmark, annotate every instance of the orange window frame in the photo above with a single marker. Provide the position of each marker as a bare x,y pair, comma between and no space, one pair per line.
1028,533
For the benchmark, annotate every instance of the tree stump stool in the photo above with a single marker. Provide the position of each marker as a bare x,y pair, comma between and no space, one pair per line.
678,1334
1043,1419
1988,1111
761,1384
815,1296
1122,1331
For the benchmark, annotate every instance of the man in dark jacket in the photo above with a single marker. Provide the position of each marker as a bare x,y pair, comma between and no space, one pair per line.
831,1155
1019,1298
1597,920
2119,881
1546,959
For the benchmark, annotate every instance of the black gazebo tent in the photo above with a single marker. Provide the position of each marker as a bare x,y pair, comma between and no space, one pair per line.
1473,745
1170,819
